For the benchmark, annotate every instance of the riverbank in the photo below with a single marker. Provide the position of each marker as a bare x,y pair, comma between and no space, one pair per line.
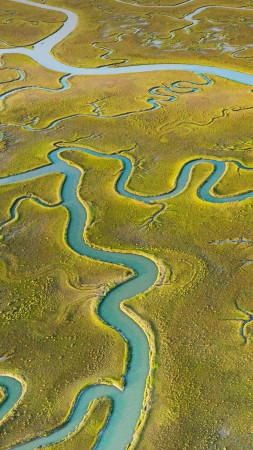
115,217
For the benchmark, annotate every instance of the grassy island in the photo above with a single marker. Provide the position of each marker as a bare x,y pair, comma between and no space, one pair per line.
197,315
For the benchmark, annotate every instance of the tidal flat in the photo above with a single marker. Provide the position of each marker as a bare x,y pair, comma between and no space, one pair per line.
125,225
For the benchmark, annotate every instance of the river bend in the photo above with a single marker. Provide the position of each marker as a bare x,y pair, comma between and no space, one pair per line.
129,402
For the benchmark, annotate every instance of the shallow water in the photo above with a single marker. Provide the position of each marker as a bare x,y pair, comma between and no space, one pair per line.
41,54
14,391
127,403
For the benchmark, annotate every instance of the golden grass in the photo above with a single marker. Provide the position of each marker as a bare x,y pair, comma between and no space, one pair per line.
190,314
34,74
235,181
50,297
87,433
2,395
156,35
22,25
147,35
32,189
202,395
195,125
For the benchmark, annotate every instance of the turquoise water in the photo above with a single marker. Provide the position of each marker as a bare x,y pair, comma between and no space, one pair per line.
127,404
63,81
14,391
155,101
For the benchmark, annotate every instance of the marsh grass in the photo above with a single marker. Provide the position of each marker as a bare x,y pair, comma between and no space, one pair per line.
202,395
31,189
88,431
34,75
22,26
2,395
50,297
235,181
199,124
192,313
157,35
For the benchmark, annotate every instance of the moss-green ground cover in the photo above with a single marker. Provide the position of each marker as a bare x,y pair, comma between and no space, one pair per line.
192,314
202,394
2,395
149,35
47,315
22,26
195,124
87,434
34,75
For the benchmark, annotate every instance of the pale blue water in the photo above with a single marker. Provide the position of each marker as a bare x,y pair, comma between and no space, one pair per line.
13,390
41,54
127,405
63,81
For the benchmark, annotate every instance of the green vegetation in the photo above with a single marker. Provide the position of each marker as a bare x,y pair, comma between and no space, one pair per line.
197,124
34,75
61,289
31,189
50,295
144,35
22,26
202,364
87,434
202,279
235,181
2,395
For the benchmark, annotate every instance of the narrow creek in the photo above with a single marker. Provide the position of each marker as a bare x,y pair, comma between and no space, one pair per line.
129,402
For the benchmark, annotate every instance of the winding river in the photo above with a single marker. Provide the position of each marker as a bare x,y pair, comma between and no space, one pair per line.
41,54
129,402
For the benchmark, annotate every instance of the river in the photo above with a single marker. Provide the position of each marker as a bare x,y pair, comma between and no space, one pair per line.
129,402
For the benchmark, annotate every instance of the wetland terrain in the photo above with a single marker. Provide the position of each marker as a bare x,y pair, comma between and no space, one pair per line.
126,193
